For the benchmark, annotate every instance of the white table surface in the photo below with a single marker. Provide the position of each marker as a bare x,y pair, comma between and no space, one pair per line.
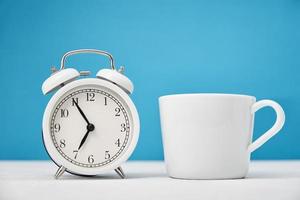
147,180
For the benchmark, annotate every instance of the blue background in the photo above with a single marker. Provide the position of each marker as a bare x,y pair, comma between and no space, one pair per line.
248,47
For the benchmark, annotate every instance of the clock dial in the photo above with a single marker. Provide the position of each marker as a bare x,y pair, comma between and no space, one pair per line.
91,126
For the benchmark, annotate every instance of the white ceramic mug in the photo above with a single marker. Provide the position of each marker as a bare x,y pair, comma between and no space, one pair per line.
209,136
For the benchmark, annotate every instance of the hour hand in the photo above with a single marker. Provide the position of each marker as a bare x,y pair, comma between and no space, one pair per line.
81,112
90,127
83,139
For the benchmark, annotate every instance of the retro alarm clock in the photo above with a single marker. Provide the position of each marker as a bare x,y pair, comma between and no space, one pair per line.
90,125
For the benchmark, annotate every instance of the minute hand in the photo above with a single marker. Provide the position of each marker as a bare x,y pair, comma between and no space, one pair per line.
82,114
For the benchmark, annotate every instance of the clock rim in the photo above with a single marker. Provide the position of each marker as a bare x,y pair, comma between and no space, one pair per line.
58,159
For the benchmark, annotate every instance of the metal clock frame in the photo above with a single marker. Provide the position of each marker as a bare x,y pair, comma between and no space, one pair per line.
61,162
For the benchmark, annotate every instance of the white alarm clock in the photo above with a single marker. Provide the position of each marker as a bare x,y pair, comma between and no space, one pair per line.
90,125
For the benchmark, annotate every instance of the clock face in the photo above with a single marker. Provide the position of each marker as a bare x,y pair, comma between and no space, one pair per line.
90,126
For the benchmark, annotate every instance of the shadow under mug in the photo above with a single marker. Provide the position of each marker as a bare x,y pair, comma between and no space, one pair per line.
209,136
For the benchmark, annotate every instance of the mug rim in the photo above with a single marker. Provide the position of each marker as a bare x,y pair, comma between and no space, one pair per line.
207,94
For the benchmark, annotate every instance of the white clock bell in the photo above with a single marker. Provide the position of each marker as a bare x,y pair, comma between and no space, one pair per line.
90,125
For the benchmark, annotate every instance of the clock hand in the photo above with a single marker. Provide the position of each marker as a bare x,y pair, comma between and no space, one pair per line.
90,128
81,112
83,139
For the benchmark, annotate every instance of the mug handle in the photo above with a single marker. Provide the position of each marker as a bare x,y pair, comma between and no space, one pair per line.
280,118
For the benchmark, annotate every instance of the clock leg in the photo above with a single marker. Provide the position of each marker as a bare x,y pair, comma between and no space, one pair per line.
60,171
120,172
